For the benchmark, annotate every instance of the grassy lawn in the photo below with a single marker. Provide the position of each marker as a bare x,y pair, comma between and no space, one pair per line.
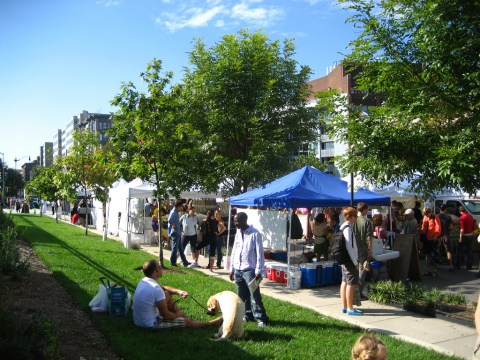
77,261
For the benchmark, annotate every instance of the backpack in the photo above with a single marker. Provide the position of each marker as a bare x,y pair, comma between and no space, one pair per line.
338,249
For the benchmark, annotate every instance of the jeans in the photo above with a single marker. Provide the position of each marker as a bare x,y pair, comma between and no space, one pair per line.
220,242
467,240
242,278
177,246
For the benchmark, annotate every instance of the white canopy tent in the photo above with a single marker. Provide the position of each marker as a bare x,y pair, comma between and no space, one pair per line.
125,209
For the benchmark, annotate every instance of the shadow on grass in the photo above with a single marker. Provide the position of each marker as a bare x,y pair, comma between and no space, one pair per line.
46,237
314,325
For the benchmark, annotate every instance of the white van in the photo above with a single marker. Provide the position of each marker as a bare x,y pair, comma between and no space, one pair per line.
471,205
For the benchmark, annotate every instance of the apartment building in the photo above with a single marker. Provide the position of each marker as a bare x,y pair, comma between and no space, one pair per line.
97,124
46,154
338,78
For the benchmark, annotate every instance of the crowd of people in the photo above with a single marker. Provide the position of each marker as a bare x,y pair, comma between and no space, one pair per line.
182,227
439,235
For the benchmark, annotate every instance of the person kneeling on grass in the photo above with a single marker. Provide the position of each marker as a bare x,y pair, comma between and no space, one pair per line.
153,306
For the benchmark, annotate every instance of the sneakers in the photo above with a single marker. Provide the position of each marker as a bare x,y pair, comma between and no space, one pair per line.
262,323
193,265
354,312
187,264
344,311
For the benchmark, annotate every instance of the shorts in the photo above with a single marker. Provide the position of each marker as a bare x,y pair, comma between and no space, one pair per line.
448,244
190,239
169,324
350,274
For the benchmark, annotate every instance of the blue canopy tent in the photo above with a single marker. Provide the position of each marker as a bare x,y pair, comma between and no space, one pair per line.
306,188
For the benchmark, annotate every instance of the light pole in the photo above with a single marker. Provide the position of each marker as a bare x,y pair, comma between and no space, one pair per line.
15,177
3,179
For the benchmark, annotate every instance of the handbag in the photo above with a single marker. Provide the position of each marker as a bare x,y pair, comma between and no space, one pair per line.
119,298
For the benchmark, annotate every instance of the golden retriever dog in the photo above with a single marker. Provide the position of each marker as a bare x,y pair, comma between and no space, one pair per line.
233,311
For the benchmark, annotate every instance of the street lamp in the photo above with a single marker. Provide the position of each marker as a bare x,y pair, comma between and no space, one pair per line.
3,179
15,177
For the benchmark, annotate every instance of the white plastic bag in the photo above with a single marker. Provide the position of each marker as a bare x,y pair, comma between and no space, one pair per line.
100,302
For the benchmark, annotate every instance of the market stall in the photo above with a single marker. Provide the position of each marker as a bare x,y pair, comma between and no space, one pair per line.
307,187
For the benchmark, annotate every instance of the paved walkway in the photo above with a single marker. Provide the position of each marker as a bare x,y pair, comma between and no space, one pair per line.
445,336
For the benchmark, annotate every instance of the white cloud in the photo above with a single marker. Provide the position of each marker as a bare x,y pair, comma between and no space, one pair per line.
193,17
109,3
220,13
256,15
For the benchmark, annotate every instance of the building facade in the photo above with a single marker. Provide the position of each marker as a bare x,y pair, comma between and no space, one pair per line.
97,124
339,79
46,154
57,144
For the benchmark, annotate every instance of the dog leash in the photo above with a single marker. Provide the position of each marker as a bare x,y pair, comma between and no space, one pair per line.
190,296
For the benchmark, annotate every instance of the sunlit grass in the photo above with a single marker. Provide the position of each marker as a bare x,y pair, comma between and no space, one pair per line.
77,261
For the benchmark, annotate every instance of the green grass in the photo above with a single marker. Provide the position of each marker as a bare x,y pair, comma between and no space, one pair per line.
77,261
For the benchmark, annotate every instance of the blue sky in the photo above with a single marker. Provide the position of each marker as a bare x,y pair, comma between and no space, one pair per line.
59,57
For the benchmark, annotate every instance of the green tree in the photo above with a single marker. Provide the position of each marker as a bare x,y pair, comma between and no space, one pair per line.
151,138
84,168
248,97
14,182
43,183
421,57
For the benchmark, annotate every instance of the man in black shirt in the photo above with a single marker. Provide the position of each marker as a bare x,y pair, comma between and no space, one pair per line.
445,235
417,212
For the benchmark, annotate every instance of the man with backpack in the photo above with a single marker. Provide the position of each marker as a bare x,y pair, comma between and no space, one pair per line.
350,265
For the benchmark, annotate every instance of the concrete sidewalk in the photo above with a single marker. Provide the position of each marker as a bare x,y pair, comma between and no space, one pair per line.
442,335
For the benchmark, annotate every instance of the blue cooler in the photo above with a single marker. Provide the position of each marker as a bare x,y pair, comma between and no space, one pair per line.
325,273
309,275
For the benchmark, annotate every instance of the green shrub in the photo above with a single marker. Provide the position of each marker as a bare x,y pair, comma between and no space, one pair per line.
10,263
391,292
37,341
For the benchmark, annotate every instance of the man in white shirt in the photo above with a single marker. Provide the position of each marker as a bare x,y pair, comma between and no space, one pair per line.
153,306
247,264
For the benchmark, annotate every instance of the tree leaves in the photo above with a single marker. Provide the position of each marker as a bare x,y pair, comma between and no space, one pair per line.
422,59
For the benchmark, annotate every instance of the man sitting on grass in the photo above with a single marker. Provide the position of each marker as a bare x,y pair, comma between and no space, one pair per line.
153,306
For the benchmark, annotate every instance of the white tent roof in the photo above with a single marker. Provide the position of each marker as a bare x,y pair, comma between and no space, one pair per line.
138,188
396,191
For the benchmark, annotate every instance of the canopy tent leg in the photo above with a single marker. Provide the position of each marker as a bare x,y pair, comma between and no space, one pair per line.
105,228
227,265
128,240
289,235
